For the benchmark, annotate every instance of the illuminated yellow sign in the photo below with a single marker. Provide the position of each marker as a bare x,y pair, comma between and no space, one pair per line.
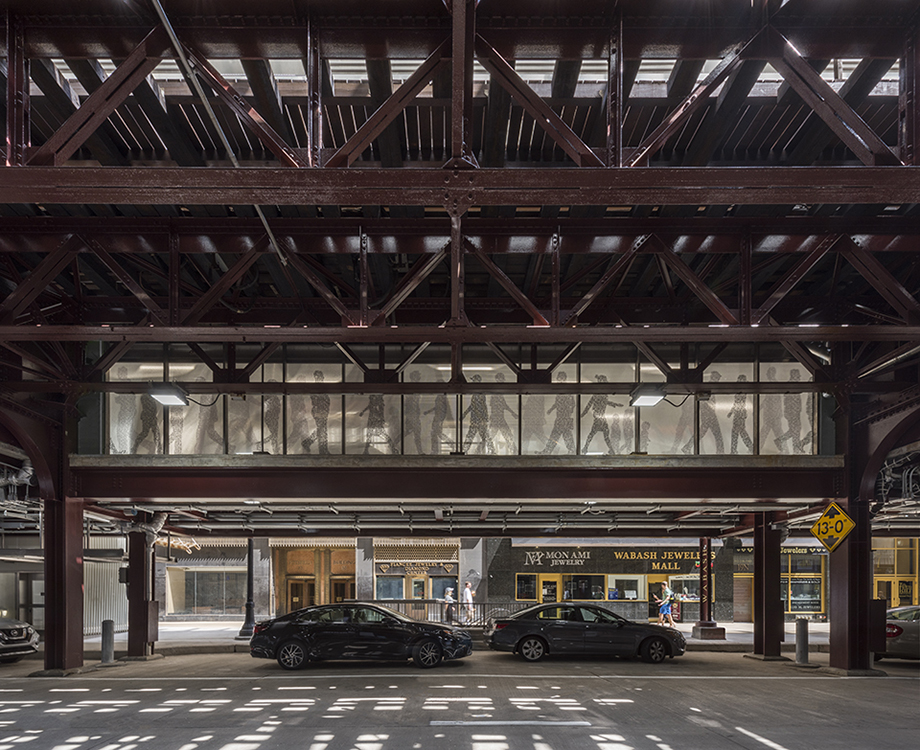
833,527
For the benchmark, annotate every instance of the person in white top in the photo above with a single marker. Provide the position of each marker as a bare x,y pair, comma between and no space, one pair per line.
468,601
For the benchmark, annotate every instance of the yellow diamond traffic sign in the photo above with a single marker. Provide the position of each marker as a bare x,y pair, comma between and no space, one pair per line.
833,527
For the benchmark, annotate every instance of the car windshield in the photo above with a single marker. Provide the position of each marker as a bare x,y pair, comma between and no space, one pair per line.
904,614
395,613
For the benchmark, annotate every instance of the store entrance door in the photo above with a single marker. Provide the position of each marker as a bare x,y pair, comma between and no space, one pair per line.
301,592
550,588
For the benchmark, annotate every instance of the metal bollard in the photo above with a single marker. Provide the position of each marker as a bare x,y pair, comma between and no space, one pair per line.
801,641
108,641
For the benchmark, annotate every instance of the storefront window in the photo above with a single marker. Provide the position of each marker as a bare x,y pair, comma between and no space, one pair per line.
686,588
884,561
439,584
418,588
213,593
583,587
806,564
619,587
527,587
389,587
805,595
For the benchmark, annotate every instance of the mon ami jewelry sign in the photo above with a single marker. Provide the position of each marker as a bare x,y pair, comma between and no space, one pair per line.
833,527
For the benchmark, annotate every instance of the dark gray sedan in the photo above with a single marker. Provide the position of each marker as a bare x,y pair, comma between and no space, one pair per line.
902,632
581,629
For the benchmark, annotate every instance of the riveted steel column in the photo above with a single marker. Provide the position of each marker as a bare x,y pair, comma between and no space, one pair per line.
18,131
768,608
63,539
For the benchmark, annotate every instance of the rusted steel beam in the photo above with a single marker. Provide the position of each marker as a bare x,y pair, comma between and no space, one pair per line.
827,104
795,274
37,281
909,96
103,101
160,316
18,127
267,186
223,285
745,280
621,264
883,281
616,94
508,285
541,112
346,155
463,31
505,359
663,367
464,334
206,358
242,109
305,270
700,96
265,91
457,274
417,274
659,482
696,284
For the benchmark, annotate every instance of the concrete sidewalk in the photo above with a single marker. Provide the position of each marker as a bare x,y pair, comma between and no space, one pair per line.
221,637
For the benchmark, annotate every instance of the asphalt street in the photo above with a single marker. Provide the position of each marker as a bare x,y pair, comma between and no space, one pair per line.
490,701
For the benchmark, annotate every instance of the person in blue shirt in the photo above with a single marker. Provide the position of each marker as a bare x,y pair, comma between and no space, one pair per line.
664,605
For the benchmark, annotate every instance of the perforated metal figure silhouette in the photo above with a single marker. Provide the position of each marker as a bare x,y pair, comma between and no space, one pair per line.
645,430
124,420
478,413
792,413
150,423
533,420
597,405
497,423
771,414
412,416
319,410
376,423
738,413
564,426
272,406
207,426
684,423
176,427
442,412
709,422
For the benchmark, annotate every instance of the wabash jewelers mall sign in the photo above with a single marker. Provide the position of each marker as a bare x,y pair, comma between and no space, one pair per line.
649,560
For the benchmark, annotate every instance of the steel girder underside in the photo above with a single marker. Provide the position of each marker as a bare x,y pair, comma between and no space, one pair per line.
760,203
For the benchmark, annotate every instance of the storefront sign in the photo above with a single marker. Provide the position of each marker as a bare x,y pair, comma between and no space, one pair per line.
556,558
415,568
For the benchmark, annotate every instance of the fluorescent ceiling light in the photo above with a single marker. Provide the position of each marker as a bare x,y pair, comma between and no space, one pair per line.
646,395
168,394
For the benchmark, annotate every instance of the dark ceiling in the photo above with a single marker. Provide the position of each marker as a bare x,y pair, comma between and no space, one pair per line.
675,180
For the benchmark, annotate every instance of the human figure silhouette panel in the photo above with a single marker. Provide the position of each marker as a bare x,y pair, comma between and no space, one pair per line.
412,416
771,413
738,414
792,413
498,425
564,424
442,412
478,413
376,430
319,410
709,421
150,424
597,405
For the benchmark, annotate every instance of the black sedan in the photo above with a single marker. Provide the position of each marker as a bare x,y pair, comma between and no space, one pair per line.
581,629
356,631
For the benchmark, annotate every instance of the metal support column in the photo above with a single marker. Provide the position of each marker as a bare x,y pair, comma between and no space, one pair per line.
250,621
850,584
707,628
142,611
768,607
63,527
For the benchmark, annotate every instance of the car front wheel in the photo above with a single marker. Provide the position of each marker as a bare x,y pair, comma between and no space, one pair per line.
427,654
654,650
292,655
532,648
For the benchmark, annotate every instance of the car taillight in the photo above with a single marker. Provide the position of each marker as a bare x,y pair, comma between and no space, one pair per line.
500,625
260,626
892,630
